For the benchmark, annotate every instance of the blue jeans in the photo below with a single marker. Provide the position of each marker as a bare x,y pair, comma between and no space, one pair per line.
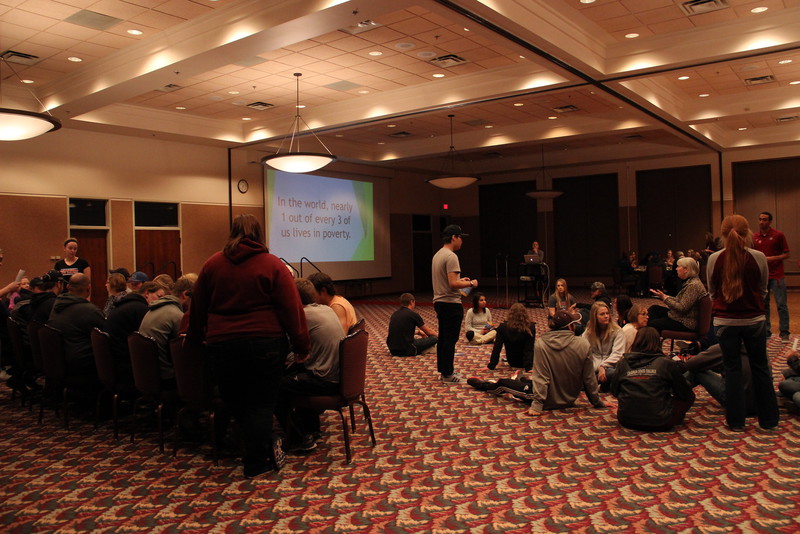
249,374
778,288
754,338
450,315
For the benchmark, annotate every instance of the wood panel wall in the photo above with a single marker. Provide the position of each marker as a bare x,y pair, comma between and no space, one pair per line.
32,229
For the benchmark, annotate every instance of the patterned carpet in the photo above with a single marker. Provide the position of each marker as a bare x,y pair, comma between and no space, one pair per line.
448,459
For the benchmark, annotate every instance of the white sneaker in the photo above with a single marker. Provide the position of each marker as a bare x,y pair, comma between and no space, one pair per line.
454,378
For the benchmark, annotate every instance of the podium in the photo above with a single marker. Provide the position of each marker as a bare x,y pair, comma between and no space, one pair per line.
532,281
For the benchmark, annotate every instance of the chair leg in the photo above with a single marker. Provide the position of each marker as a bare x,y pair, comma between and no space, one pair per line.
212,423
64,396
346,437
368,417
115,415
177,432
352,418
159,411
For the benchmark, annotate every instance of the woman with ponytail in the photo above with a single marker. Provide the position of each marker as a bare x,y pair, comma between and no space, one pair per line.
737,282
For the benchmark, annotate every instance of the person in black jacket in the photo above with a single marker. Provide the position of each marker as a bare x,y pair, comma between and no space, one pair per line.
517,334
652,392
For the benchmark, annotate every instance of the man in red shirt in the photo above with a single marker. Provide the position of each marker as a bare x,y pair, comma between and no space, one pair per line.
774,246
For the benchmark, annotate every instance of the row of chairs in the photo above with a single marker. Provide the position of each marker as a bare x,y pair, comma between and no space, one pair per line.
192,375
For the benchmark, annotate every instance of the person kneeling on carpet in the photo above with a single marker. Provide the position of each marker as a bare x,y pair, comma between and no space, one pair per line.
653,393
402,326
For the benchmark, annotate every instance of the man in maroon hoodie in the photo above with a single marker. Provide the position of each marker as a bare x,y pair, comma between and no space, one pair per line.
244,305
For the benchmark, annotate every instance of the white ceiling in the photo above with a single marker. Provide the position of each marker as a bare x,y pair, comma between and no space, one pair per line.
523,59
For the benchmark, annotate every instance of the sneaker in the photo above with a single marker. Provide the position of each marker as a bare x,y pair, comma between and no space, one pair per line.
278,456
307,444
470,335
454,378
785,337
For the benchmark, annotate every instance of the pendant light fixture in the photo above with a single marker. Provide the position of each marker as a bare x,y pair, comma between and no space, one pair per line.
19,124
293,160
544,194
452,179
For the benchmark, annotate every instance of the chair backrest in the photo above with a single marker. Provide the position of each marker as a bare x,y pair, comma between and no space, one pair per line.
21,350
144,361
51,343
36,346
353,364
103,359
191,371
704,317
360,325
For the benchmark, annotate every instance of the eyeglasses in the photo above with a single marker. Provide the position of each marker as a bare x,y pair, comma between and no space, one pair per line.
644,313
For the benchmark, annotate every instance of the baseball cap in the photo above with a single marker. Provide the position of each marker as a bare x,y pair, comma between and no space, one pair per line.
563,318
453,229
139,276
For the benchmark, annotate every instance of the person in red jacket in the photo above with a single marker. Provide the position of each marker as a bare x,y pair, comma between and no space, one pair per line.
245,305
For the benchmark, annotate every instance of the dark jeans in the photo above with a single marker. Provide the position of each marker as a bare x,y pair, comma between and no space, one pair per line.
298,382
449,315
754,338
249,374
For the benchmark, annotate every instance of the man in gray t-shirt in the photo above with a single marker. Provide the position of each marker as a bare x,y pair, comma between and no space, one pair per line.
447,283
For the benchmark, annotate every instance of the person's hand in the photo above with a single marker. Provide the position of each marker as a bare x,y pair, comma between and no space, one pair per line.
658,294
601,374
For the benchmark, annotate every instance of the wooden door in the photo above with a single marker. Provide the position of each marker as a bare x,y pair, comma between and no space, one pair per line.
93,247
158,252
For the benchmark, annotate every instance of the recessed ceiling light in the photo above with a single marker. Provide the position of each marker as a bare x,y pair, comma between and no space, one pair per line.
489,126
518,104
376,53
27,81
426,54
74,59
703,95
300,106
404,46
784,62
247,118
758,9
391,126
466,29
381,142
742,129
552,117
587,1
363,92
180,107
338,135
683,77
233,92
631,35
796,82
438,75
135,32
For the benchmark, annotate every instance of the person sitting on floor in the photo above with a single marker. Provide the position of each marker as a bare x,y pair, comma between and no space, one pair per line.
315,374
637,318
790,385
326,294
653,394
622,305
478,322
403,324
598,294
606,341
517,334
706,369
562,367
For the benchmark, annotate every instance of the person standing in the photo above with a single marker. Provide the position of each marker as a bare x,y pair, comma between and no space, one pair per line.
71,263
447,283
774,246
737,282
246,307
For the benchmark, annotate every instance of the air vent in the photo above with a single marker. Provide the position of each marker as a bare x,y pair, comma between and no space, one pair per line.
788,118
361,27
400,135
477,122
565,109
19,58
447,61
632,137
90,19
260,106
169,88
698,7
759,80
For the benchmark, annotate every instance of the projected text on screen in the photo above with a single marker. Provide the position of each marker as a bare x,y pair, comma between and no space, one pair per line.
323,219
